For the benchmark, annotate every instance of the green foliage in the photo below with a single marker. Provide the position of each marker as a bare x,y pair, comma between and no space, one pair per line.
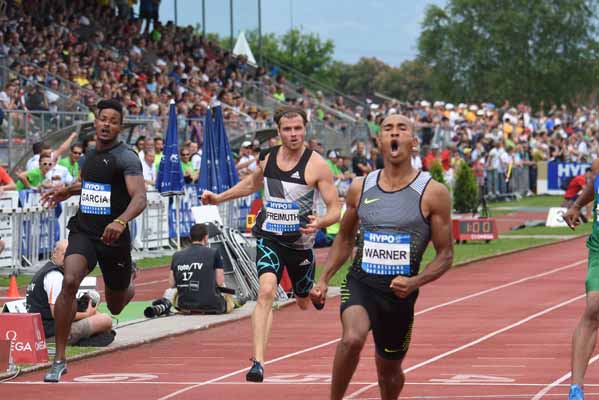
304,52
436,171
465,193
527,50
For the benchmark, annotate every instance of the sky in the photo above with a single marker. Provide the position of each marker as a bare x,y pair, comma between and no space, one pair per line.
385,29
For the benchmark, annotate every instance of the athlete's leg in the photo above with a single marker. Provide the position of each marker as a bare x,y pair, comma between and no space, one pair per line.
75,269
262,315
585,338
356,324
391,377
118,275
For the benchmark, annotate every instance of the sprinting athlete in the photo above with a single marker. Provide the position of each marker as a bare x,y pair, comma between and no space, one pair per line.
112,193
398,210
585,335
292,177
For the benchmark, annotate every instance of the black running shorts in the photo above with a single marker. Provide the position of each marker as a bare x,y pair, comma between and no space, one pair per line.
273,257
391,318
114,261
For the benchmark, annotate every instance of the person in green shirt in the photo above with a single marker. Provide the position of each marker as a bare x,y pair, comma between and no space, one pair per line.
72,161
189,174
34,178
332,163
158,149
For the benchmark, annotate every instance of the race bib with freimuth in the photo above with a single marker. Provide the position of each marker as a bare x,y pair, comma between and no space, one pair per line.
281,216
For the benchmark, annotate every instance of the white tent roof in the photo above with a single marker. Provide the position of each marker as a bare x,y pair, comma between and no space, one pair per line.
242,47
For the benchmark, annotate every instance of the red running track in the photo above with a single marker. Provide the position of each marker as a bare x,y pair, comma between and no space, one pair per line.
498,329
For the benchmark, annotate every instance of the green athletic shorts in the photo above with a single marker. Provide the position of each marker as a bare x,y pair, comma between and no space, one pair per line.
592,280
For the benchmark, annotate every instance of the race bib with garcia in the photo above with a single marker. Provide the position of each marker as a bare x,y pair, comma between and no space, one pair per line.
281,216
95,198
386,253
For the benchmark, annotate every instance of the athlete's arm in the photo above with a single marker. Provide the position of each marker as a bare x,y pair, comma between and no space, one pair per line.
248,185
344,242
436,199
572,216
136,187
326,187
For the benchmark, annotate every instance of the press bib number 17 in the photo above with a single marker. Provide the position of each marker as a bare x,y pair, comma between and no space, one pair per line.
95,198
386,253
281,217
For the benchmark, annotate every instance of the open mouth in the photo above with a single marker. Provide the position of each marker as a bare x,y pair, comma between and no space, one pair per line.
394,147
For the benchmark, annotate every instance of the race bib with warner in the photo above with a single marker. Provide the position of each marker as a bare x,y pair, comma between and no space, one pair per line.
95,198
281,216
386,253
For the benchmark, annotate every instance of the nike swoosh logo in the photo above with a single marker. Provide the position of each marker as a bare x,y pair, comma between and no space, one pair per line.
391,351
368,201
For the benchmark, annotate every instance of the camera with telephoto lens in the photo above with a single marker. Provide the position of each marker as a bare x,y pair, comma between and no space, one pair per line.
159,307
84,299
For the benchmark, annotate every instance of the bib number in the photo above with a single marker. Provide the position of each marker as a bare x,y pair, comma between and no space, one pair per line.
386,253
95,198
281,217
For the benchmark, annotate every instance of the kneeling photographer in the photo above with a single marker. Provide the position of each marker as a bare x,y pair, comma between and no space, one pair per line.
90,327
197,272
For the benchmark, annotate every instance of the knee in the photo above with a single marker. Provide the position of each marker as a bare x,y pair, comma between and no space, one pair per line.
353,342
266,294
103,321
390,377
115,309
591,313
70,285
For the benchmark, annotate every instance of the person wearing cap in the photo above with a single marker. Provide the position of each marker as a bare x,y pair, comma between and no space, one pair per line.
246,158
332,163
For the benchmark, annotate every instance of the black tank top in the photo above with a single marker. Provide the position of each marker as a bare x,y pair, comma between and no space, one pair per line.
37,298
287,202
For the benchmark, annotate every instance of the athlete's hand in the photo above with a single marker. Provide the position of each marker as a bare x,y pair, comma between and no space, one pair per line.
54,195
572,217
312,225
318,294
112,232
209,198
402,286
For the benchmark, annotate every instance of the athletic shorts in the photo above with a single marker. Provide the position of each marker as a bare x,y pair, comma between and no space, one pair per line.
114,261
273,257
391,318
592,280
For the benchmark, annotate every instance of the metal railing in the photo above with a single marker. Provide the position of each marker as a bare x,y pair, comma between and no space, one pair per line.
20,129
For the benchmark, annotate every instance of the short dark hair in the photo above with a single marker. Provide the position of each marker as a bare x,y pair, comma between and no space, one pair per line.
198,232
76,145
290,112
588,169
112,105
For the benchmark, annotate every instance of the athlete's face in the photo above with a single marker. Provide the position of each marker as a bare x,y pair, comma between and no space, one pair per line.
396,139
292,132
108,125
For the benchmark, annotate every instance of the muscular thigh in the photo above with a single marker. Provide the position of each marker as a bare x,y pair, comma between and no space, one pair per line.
115,262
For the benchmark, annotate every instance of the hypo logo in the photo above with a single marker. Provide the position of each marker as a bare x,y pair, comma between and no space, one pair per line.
93,186
380,238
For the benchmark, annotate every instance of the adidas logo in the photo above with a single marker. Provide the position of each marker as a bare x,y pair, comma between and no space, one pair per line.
305,262
296,175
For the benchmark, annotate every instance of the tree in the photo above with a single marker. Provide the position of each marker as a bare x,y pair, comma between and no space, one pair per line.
436,171
531,50
465,197
296,50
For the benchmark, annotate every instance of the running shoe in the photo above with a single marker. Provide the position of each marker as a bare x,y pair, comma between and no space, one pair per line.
576,393
57,369
256,372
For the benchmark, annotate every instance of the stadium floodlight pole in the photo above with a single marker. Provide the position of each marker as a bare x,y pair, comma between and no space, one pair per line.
231,22
175,5
204,18
260,32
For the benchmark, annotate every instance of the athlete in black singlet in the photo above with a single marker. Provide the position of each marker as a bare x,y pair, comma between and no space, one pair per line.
286,226
112,193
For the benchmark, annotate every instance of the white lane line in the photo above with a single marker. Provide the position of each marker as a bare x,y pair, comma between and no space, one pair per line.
480,293
499,366
475,342
558,381
516,358
220,378
488,396
505,285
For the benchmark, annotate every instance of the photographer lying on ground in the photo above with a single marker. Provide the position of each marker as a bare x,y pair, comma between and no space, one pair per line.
89,327
196,272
